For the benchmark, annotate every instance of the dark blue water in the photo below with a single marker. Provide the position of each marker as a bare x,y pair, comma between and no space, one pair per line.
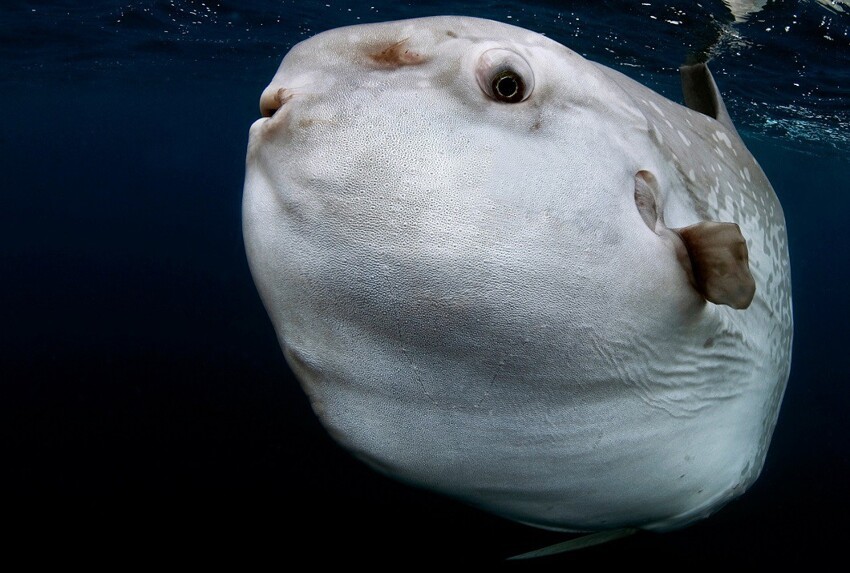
145,402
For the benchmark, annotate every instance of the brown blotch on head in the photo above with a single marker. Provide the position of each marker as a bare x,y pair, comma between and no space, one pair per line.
451,34
395,55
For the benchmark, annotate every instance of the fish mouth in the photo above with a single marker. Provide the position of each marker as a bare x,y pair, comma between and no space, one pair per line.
274,109
273,99
271,125
263,132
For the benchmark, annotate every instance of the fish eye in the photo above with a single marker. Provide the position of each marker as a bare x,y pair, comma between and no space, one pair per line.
504,76
508,87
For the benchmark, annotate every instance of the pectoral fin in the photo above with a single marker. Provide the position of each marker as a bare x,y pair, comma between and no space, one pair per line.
719,263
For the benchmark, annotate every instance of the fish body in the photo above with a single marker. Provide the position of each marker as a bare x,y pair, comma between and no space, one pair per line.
515,276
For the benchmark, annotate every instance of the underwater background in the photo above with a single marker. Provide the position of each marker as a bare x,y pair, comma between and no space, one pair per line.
146,405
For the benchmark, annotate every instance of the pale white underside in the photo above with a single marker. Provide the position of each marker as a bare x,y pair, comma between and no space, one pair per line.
473,303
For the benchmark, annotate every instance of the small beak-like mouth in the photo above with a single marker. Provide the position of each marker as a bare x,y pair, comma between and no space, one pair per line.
275,118
274,98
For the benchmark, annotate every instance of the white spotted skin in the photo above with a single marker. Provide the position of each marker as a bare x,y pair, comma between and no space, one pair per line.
473,303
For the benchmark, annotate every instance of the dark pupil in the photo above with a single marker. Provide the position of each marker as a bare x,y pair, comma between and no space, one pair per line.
507,87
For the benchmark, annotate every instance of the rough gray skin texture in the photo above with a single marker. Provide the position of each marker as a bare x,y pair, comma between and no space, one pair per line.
473,302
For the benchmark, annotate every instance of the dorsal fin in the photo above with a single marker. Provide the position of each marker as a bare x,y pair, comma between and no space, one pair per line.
701,94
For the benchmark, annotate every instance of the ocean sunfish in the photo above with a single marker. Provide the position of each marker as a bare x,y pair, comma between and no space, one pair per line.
506,273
